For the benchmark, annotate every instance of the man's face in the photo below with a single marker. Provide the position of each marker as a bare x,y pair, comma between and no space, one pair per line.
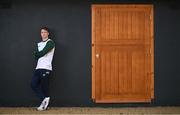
44,34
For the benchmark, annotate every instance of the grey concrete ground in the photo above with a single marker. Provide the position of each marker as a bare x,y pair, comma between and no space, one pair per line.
92,110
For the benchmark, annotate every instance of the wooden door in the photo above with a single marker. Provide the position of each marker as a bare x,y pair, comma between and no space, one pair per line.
122,53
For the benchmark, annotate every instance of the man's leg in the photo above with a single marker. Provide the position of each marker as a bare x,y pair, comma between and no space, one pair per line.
45,82
45,87
35,84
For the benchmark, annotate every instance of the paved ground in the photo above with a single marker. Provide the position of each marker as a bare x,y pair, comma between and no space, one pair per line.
92,110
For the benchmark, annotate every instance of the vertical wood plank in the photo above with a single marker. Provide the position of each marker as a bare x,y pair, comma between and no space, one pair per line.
93,52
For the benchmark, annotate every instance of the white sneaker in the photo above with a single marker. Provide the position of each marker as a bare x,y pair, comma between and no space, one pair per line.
41,107
44,104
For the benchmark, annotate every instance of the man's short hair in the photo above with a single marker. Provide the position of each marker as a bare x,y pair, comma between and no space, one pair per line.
45,28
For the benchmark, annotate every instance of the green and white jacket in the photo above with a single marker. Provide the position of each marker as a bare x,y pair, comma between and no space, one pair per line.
44,54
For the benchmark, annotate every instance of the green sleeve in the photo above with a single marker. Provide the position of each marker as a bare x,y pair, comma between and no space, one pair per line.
49,46
35,50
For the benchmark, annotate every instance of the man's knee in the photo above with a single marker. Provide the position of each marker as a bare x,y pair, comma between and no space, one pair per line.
33,86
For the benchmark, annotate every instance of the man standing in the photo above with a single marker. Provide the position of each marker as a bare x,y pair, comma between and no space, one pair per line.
40,80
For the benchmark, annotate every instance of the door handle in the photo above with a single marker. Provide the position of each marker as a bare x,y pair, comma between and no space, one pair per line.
97,55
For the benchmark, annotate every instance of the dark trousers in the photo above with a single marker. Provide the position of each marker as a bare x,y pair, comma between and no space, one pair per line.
40,83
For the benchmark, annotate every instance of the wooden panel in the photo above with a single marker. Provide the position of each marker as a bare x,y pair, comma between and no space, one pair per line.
122,71
122,53
121,25
113,23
